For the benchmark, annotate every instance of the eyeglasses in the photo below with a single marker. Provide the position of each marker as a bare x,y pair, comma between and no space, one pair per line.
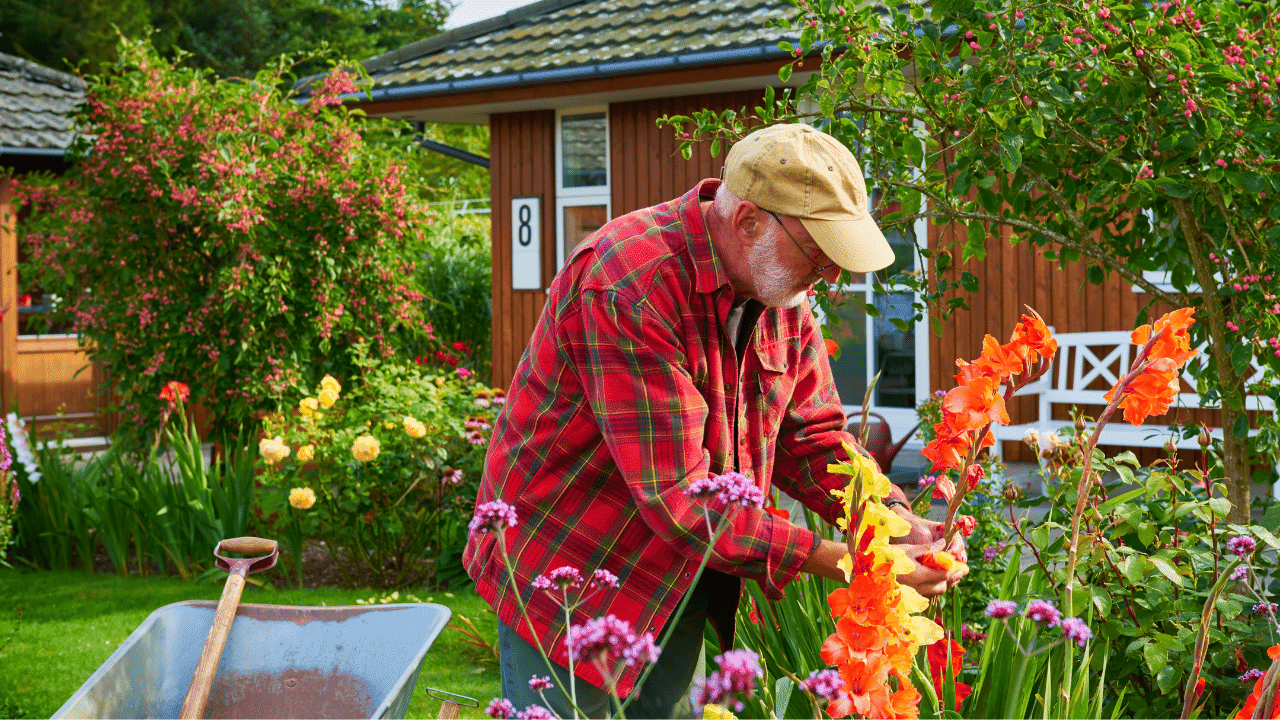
817,270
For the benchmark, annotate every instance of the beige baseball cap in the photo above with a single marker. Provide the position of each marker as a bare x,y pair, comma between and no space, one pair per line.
805,173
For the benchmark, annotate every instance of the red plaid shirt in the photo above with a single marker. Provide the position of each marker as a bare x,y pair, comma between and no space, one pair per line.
626,394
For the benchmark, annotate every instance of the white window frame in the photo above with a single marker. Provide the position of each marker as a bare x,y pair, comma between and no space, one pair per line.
580,196
900,419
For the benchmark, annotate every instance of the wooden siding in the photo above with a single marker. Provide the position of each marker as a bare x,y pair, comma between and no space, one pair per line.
645,160
8,293
522,155
1011,278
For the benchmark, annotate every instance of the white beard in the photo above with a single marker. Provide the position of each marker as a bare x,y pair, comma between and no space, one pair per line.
774,284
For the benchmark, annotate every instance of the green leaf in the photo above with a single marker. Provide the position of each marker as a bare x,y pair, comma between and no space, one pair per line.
1219,506
1101,601
1155,656
1167,569
1240,429
1037,125
1215,128
969,281
784,72
1011,151
1134,569
975,246
782,695
1057,92
1253,182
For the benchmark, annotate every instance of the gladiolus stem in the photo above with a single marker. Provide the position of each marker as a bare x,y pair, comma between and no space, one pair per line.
1082,490
1189,695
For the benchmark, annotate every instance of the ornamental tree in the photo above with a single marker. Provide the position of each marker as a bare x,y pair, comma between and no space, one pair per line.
1129,137
226,235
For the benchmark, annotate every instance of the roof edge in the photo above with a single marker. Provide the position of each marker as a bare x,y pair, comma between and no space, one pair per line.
426,46
578,72
65,80
43,152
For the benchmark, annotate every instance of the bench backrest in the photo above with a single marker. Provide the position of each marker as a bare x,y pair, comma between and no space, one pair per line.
1089,364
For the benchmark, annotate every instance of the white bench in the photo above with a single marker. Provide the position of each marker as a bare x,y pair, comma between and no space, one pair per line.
1089,364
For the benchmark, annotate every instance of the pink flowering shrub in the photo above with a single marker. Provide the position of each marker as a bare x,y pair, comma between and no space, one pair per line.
227,232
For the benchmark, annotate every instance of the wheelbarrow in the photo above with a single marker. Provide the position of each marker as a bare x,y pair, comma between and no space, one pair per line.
280,661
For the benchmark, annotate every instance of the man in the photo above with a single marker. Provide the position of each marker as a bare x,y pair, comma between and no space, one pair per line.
677,344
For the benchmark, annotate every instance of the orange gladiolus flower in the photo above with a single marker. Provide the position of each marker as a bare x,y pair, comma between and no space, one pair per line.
1157,386
865,691
905,703
937,655
1031,339
832,346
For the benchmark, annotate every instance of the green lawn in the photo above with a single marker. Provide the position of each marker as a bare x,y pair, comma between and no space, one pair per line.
58,627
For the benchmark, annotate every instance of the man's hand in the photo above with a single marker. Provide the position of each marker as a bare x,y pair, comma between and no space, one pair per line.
928,581
925,532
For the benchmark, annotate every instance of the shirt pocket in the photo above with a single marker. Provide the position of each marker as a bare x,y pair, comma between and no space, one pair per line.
776,385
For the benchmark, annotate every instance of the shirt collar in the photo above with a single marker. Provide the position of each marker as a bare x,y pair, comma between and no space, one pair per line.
708,271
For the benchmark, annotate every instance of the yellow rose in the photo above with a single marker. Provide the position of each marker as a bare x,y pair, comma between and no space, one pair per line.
308,406
414,428
306,452
302,498
328,397
328,383
391,425
366,448
273,450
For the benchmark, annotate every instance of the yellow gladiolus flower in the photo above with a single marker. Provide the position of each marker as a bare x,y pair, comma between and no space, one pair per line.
390,425
273,450
717,712
328,383
328,397
308,406
414,428
306,452
366,448
302,498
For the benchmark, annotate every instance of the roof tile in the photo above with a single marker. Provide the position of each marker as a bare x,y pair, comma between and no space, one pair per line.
37,104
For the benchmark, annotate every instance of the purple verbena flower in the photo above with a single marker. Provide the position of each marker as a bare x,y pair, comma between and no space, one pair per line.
1001,609
1043,611
535,712
1251,675
1240,574
493,516
735,679
604,577
540,683
606,639
1265,608
1241,545
824,684
500,708
731,487
990,552
1075,629
566,577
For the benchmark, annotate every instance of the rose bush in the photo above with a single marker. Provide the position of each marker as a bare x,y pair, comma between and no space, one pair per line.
383,467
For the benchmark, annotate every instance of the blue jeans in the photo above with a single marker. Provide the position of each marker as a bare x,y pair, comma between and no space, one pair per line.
664,687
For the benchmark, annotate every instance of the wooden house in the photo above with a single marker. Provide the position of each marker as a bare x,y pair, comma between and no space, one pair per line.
571,90
45,370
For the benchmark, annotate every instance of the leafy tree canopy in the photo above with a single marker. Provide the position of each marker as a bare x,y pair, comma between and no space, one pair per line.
231,37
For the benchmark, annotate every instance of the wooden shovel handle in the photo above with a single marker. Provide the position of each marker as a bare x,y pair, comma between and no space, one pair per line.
448,711
248,546
207,667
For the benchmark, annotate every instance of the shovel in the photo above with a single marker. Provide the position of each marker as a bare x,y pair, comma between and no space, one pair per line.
202,679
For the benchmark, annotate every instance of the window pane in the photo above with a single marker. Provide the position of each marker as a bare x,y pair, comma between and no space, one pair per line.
895,352
583,147
579,222
850,370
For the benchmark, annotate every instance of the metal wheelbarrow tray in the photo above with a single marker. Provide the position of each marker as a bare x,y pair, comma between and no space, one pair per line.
280,661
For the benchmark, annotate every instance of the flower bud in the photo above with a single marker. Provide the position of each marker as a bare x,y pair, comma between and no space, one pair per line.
1013,493
1204,438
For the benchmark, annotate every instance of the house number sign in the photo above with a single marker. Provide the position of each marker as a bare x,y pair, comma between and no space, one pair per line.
526,243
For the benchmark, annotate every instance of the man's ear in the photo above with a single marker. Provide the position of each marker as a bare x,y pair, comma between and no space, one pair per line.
748,222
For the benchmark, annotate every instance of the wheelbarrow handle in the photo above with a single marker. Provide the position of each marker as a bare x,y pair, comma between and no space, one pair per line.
247,545
207,666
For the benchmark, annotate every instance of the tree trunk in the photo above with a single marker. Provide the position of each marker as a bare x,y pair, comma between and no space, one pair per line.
1231,386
